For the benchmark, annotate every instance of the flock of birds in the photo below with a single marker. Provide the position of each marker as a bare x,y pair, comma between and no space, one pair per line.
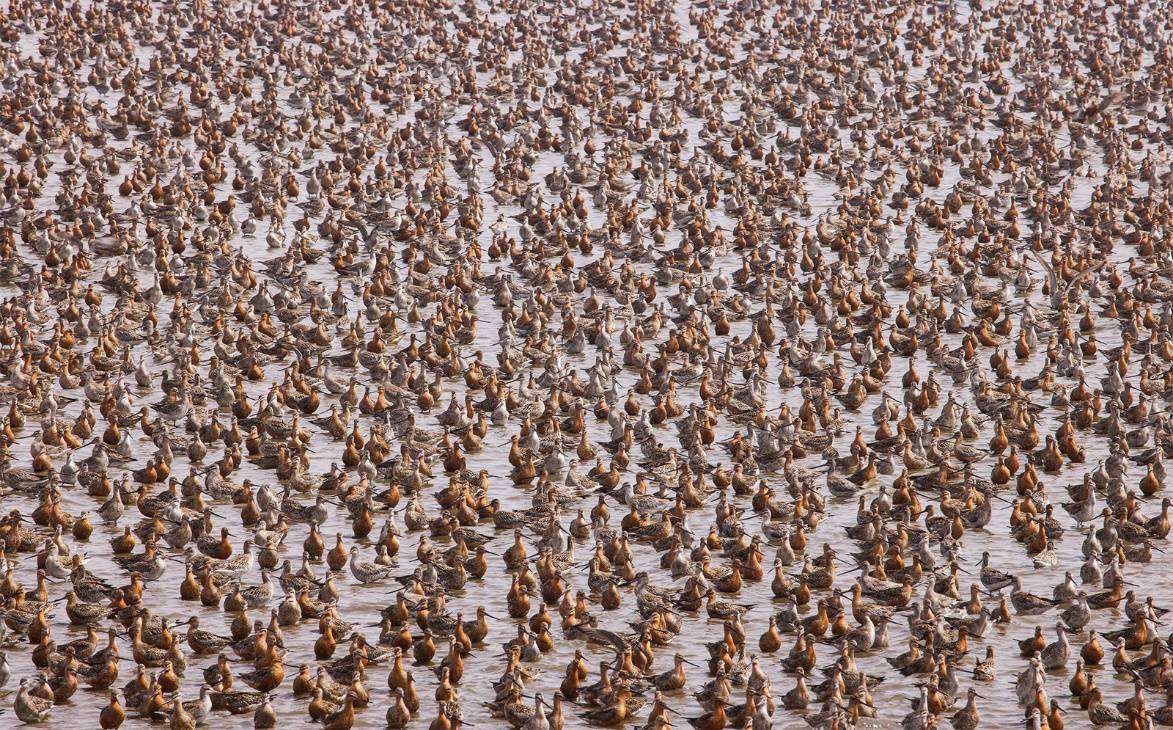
642,363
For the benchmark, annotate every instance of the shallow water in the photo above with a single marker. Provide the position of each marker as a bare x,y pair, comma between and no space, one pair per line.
361,604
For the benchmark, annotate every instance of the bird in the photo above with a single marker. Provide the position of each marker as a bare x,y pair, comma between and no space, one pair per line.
278,279
365,571
30,708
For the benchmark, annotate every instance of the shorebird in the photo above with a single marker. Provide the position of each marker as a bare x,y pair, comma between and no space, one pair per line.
29,708
267,295
365,571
